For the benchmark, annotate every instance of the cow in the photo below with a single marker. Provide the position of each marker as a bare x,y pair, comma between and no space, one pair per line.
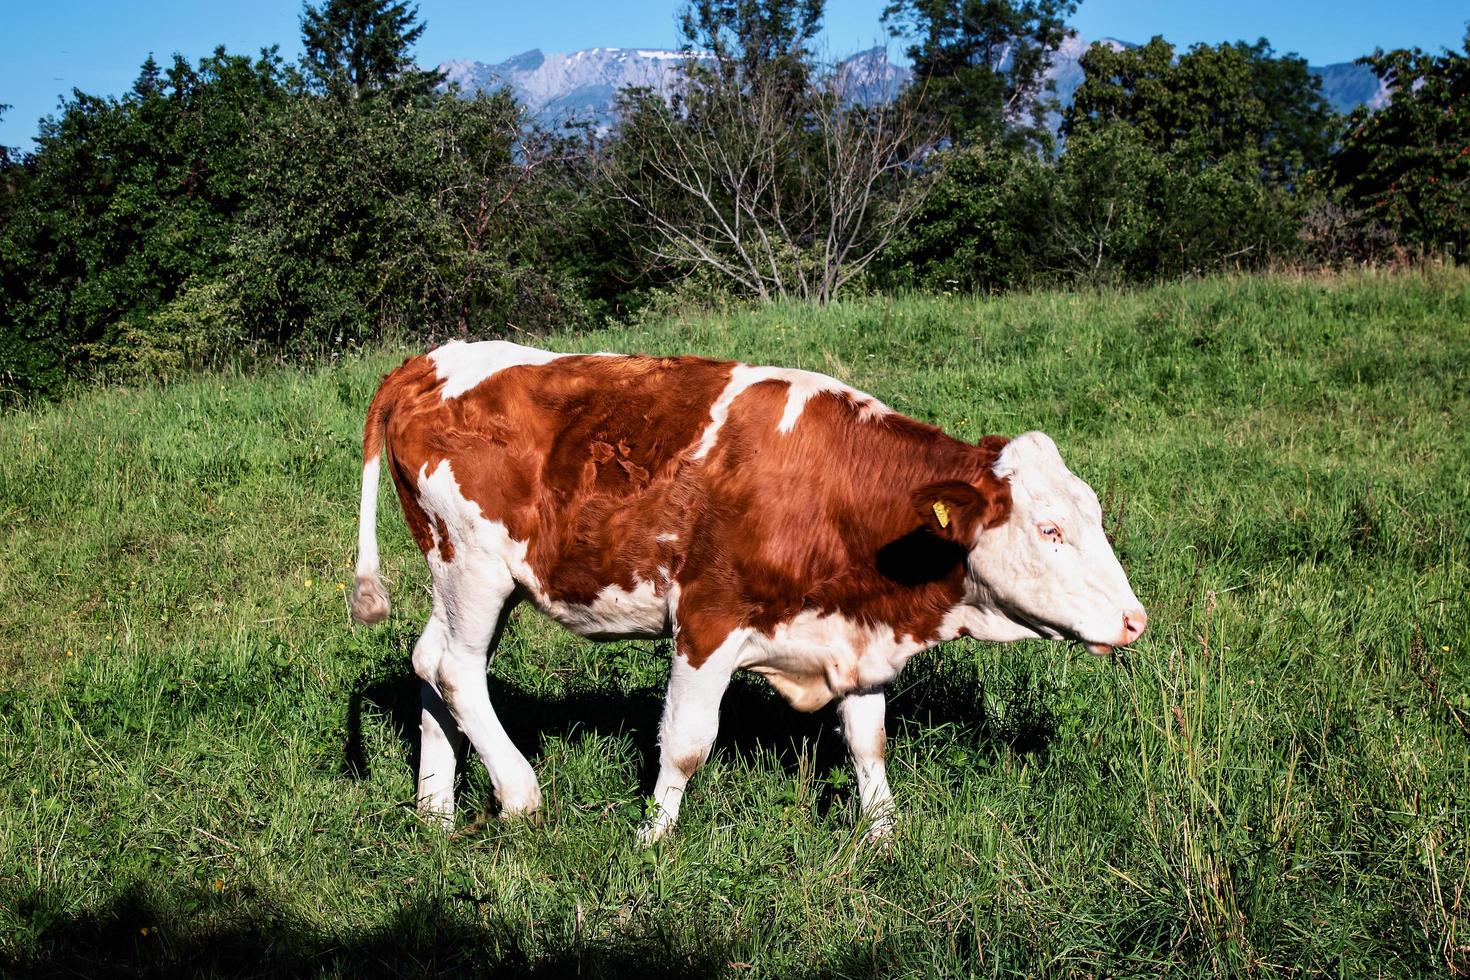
766,519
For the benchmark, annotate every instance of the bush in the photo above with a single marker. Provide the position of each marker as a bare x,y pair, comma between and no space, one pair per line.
1406,167
982,227
369,219
198,328
124,202
1112,209
1126,212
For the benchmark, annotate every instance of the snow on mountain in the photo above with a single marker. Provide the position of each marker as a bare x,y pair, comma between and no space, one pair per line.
582,85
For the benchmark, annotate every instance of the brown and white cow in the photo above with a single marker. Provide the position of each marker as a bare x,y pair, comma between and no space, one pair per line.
768,519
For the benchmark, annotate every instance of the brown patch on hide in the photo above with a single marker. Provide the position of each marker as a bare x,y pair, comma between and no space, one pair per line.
587,460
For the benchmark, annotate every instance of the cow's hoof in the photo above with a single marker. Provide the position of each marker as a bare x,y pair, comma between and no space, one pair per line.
522,806
533,818
880,833
651,831
437,816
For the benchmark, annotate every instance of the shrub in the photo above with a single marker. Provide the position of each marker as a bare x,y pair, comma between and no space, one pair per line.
1406,166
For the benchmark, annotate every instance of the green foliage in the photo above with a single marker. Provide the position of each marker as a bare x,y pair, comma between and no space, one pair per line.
1271,781
976,61
1210,105
380,218
226,205
1406,166
199,327
1126,212
1171,167
769,39
1110,210
986,221
356,48
124,202
5,154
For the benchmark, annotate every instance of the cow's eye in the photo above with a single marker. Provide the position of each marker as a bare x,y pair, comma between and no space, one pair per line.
1050,532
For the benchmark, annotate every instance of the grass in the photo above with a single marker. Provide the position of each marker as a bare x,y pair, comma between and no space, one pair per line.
206,770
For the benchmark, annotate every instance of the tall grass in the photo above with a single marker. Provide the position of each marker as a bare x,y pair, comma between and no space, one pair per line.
207,770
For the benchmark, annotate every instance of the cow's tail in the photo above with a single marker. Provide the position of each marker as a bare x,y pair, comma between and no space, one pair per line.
369,595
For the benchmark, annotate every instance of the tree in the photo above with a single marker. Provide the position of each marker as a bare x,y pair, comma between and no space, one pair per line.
766,39
5,164
985,225
1211,103
358,47
1406,166
767,190
125,203
377,218
981,64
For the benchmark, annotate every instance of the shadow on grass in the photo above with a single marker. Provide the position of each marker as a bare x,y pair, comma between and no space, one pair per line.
145,932
754,720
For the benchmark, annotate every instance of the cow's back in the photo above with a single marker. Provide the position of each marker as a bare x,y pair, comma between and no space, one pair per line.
609,481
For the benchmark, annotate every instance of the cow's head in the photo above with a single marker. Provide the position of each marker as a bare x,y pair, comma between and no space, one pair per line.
1038,556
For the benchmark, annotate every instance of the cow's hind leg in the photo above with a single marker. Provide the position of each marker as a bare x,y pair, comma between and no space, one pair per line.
439,739
862,727
471,602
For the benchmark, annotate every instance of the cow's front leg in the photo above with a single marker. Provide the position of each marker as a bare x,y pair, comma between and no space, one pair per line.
690,722
862,726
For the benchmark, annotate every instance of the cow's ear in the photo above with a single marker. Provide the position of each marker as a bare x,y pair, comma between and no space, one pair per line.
957,511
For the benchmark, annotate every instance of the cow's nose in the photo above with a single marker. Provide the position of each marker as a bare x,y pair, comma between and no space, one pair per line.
1134,621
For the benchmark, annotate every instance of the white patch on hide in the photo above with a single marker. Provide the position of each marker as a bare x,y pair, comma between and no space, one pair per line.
827,655
614,614
802,385
462,366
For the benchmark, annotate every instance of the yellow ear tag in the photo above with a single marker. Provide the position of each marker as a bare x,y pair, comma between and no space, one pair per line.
942,513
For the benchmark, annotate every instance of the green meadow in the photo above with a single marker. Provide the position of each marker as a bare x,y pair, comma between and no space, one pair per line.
205,769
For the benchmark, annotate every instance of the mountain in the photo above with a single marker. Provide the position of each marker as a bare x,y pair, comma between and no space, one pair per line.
582,85
1348,85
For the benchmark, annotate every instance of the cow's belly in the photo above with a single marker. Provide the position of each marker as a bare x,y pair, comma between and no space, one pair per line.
615,614
814,658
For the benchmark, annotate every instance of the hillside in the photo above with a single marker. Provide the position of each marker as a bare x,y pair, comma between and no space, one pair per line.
207,767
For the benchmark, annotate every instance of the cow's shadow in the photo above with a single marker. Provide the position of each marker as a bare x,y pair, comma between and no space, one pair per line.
754,720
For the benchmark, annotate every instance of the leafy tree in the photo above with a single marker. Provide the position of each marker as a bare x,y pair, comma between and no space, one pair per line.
10,173
378,218
1211,103
124,202
1127,213
1406,166
357,47
985,225
4,150
749,39
981,64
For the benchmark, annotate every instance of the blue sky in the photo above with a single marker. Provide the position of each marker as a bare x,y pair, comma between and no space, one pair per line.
49,48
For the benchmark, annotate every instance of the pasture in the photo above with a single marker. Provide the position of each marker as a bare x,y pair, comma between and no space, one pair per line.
206,769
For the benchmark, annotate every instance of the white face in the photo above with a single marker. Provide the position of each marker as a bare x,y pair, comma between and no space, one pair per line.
1050,568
